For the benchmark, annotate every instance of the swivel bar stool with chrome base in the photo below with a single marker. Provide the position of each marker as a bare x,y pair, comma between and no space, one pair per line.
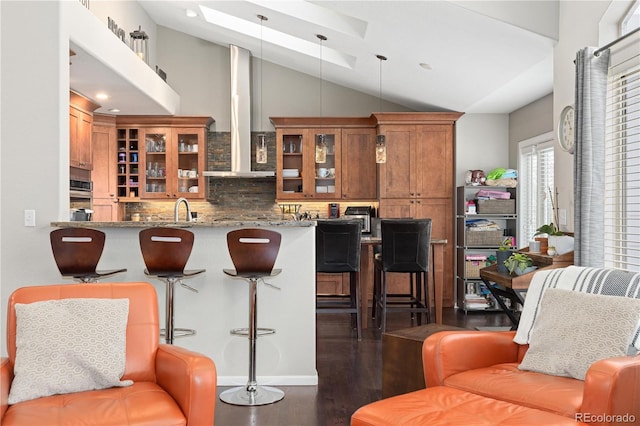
165,252
77,252
253,252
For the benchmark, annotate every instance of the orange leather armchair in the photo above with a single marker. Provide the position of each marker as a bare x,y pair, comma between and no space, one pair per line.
172,385
486,364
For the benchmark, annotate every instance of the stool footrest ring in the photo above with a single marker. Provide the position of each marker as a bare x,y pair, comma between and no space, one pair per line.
179,332
259,331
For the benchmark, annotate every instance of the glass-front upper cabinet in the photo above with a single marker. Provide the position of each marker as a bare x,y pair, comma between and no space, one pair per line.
173,163
190,164
155,162
162,157
306,163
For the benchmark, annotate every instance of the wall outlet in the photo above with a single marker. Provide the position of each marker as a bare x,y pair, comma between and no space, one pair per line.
29,218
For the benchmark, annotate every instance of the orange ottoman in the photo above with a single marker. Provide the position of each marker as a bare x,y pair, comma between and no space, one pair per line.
448,406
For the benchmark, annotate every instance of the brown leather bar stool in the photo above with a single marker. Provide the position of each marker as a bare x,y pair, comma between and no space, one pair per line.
338,251
165,252
405,248
253,252
77,252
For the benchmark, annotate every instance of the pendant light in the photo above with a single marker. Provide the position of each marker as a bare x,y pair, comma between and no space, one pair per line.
321,142
381,142
261,142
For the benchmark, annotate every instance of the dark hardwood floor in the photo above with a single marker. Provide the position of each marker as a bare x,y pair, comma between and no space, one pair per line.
349,374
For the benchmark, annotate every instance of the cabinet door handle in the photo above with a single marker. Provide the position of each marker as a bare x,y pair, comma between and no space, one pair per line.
418,194
412,194
411,202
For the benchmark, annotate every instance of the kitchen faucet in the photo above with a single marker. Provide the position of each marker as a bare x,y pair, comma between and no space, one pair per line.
177,206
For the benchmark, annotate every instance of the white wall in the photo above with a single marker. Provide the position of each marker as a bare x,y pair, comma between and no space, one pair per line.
482,142
34,137
199,71
579,27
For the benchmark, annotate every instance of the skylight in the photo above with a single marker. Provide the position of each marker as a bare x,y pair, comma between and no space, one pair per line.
278,38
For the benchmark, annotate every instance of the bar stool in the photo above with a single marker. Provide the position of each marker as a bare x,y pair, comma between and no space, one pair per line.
338,251
165,252
77,252
405,249
253,252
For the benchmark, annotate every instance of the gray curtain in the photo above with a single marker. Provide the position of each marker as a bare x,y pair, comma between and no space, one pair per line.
588,166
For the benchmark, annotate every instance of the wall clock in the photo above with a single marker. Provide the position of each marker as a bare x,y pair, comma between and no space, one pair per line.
566,131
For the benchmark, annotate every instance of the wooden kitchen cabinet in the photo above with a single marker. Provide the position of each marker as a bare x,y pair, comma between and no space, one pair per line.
164,157
332,283
417,181
426,151
344,168
359,164
307,175
80,124
104,175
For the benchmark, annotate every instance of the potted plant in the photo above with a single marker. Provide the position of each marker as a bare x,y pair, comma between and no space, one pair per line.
504,251
549,229
519,263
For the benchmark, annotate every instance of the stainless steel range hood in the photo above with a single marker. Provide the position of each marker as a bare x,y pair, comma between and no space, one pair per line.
240,118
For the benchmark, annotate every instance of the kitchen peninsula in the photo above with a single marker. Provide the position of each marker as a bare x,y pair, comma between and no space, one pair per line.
286,358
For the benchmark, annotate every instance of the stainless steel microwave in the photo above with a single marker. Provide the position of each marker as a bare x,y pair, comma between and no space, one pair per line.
365,220
361,213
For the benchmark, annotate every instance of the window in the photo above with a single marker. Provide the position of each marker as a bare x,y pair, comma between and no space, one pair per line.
535,176
631,21
622,151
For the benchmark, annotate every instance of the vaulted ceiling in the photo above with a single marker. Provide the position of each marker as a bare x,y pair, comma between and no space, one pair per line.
470,56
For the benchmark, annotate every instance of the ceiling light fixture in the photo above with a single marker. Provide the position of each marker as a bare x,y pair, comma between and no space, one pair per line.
261,142
381,140
102,96
190,13
321,143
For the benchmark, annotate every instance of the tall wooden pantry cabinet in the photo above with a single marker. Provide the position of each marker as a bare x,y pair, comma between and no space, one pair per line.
418,179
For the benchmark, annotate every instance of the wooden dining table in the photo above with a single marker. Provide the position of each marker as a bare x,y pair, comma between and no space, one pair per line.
366,274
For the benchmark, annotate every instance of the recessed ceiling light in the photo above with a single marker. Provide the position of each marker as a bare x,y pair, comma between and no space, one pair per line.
190,13
102,96
114,110
426,66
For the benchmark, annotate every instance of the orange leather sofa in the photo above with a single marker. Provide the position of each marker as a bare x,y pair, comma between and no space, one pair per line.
472,377
486,364
172,385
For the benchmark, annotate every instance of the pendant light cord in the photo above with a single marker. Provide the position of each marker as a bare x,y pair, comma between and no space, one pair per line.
322,38
262,19
382,58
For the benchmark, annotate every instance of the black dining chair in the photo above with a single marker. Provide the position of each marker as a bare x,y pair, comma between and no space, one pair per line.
405,249
338,251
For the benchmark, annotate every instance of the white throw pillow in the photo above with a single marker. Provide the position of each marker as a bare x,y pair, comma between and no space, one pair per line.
573,330
69,345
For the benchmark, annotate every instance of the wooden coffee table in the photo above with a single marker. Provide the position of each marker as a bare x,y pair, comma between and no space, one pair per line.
402,369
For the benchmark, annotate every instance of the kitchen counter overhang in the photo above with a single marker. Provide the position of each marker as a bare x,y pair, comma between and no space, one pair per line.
222,223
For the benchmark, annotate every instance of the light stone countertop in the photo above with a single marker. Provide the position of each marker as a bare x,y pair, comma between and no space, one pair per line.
182,224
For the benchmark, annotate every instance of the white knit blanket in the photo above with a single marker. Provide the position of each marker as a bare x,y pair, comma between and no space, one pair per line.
612,282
